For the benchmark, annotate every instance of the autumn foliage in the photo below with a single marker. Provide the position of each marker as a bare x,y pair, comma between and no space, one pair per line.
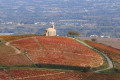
34,74
58,50
111,52
4,76
8,56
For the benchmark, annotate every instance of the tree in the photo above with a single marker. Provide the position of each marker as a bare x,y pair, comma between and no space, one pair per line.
94,39
73,33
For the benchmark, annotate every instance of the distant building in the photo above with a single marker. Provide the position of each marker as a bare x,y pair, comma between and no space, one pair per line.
94,36
50,31
102,36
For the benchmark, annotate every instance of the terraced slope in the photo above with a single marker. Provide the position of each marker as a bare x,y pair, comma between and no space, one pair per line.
58,50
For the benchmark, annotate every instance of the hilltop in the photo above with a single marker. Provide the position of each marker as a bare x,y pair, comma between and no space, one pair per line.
49,50
40,57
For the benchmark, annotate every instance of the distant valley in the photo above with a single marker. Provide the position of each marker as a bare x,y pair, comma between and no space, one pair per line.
89,17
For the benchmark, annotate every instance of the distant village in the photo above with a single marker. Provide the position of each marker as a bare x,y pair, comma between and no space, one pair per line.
101,36
67,25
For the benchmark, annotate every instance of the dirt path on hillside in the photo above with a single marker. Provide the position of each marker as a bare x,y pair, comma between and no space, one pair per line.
16,50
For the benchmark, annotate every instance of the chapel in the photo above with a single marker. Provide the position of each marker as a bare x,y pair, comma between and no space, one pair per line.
50,31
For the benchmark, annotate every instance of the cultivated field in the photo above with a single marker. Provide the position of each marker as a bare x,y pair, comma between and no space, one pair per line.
111,52
36,74
4,76
58,50
23,74
8,56
113,42
52,50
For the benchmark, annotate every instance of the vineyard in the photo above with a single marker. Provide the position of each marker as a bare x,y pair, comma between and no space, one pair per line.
9,57
4,76
111,52
36,74
113,42
58,50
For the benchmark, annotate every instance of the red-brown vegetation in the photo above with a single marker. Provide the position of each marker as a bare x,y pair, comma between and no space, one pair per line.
58,50
9,57
32,74
23,74
4,76
111,52
113,42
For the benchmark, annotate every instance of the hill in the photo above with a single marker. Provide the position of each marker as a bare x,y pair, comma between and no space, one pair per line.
29,57
58,50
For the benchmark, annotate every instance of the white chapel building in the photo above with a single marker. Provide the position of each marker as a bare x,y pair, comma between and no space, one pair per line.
50,31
